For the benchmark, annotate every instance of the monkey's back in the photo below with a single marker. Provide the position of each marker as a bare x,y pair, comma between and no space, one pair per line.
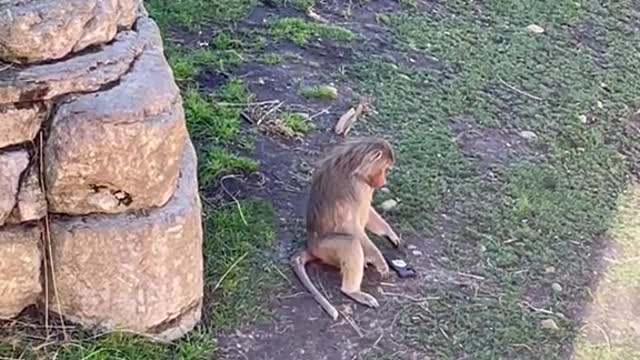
335,204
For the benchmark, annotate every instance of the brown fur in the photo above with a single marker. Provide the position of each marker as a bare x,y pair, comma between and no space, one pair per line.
338,212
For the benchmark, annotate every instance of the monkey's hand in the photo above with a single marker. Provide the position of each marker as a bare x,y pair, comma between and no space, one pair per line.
393,238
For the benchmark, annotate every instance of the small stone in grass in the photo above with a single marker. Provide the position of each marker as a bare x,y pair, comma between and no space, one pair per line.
388,204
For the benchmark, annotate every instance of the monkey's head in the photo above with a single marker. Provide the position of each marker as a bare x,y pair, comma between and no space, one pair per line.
365,159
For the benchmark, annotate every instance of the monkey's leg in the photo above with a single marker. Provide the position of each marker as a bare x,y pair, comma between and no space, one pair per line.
352,268
350,255
377,225
373,255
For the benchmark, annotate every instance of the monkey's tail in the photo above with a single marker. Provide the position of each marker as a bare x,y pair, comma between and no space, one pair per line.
298,263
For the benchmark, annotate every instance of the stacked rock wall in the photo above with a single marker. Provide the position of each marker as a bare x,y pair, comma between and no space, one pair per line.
95,157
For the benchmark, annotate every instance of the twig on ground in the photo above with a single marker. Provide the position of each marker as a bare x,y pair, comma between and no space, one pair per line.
233,197
346,121
521,92
235,263
281,273
368,350
247,117
277,106
477,277
257,103
544,311
321,112
315,16
353,324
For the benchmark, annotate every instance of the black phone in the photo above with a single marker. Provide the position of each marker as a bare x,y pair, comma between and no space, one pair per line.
400,266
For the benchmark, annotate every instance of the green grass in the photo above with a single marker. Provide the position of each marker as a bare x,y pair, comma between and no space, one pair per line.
193,15
114,346
297,123
536,215
271,59
319,92
229,241
302,5
223,53
300,31
214,124
215,119
218,161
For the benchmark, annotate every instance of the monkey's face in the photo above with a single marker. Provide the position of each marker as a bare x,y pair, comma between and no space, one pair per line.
377,178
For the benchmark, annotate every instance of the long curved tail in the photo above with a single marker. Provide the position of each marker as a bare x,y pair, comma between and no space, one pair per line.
298,263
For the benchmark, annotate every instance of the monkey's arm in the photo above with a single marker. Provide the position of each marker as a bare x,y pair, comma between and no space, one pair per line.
377,225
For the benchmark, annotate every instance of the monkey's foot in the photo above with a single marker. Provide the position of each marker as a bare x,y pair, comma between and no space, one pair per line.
393,239
384,273
363,298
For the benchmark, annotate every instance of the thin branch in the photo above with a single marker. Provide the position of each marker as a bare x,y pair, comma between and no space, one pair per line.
48,249
233,197
235,263
521,92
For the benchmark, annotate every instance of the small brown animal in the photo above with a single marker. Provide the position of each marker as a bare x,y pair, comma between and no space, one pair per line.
338,212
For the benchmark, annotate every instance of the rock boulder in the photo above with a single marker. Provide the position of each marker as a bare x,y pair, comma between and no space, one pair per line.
136,271
20,123
39,30
30,203
20,259
12,165
82,73
118,149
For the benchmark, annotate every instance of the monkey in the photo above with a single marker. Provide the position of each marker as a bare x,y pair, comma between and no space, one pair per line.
338,212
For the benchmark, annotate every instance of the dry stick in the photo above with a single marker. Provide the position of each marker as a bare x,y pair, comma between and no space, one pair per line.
6,67
281,273
353,324
46,268
258,103
274,108
47,239
246,117
521,92
233,197
321,112
366,351
235,263
346,121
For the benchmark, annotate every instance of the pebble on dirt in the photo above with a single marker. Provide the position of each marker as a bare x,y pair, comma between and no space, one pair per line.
549,324
536,29
388,204
528,135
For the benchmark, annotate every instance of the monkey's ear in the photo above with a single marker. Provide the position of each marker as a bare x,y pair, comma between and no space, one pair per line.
376,155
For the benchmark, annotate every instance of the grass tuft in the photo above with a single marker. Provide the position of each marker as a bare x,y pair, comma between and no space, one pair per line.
530,216
218,161
296,122
229,239
319,92
271,59
193,15
300,31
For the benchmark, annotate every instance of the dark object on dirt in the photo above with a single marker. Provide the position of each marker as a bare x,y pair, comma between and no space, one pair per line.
269,3
400,266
